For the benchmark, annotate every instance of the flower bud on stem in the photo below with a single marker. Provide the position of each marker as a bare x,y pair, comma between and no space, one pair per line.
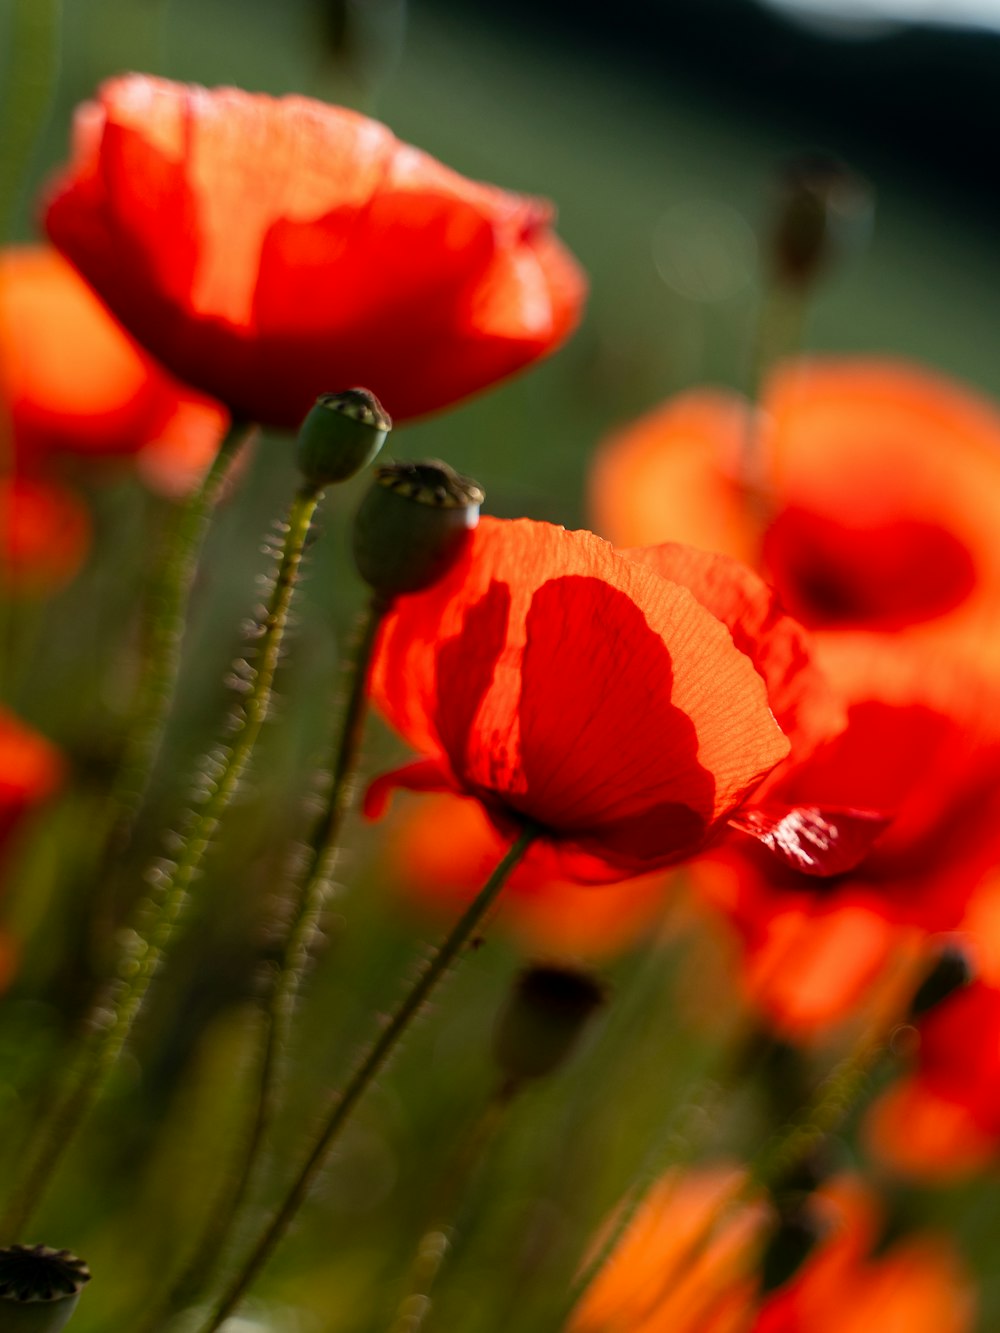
822,212
39,1288
341,435
413,525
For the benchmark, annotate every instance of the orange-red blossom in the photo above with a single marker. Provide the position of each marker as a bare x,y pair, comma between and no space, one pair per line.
624,702
267,250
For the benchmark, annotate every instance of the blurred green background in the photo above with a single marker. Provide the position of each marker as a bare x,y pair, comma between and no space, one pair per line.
662,182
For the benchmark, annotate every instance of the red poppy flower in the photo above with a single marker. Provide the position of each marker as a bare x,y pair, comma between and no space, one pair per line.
880,493
44,536
922,743
559,681
442,850
264,249
943,1119
687,1264
73,383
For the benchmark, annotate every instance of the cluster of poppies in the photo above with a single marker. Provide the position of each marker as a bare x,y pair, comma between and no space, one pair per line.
782,675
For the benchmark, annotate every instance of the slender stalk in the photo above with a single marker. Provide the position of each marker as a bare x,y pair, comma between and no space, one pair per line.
161,652
449,1216
110,1020
374,1061
309,898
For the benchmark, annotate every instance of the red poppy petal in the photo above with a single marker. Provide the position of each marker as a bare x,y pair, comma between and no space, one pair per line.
801,698
580,689
424,775
812,840
261,247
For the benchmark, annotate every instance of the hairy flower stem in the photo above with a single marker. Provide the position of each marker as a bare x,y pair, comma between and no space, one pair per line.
161,657
308,896
110,1020
375,1059
161,651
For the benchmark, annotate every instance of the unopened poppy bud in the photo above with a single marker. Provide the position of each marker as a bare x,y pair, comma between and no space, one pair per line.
39,1288
413,525
790,1245
950,970
543,1019
824,212
341,434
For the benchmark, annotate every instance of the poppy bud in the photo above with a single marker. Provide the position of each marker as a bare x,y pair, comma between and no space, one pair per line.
789,1246
341,434
39,1288
413,524
950,970
824,211
543,1018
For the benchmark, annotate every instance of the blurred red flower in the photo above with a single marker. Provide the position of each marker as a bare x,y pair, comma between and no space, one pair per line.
627,712
74,384
942,1118
31,769
44,536
922,743
267,249
687,1264
879,496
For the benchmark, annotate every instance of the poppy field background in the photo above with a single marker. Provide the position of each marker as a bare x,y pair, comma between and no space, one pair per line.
661,196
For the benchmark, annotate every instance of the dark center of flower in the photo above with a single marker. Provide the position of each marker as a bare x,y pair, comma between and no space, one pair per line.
899,573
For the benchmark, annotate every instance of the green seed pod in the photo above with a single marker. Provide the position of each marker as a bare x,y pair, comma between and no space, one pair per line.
543,1018
342,434
413,525
824,211
39,1288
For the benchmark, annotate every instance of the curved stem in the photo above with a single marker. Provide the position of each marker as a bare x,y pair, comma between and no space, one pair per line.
110,1020
309,899
374,1061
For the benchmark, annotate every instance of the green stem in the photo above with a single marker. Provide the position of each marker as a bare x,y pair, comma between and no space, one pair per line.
168,603
314,880
110,1020
375,1059
450,1213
